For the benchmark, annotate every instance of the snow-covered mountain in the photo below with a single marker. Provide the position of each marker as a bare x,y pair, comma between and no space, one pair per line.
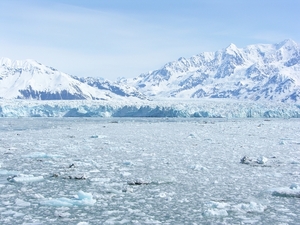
119,87
29,79
257,72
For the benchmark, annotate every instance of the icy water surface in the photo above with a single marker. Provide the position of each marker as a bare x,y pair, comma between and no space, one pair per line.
149,171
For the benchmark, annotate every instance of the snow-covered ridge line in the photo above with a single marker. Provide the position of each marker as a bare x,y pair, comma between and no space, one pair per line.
257,72
161,108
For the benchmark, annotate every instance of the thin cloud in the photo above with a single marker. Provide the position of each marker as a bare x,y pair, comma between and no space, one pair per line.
114,38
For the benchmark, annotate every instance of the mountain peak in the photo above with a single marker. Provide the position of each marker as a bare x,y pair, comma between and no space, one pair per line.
232,48
286,43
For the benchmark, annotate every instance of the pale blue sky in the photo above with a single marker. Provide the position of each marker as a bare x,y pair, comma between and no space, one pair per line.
124,38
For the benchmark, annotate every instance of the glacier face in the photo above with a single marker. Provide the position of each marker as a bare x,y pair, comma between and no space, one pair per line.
164,108
257,72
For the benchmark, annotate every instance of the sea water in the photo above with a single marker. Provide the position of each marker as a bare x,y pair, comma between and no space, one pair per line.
149,171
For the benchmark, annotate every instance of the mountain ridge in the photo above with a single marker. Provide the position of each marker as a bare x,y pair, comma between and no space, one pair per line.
256,72
29,79
263,71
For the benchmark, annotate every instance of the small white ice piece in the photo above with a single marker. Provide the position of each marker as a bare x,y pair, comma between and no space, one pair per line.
261,160
251,207
21,203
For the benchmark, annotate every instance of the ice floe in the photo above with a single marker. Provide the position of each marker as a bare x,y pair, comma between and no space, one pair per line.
292,191
81,199
24,178
260,161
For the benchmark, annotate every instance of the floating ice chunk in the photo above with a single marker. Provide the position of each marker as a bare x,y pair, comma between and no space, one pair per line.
62,214
18,214
215,212
292,191
20,202
23,178
75,176
138,182
98,136
192,136
261,160
162,195
198,168
82,199
125,174
294,186
84,195
246,160
94,136
214,208
42,155
83,223
38,196
127,189
251,207
127,163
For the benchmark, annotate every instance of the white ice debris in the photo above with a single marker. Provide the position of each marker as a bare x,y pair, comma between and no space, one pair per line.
22,203
94,136
150,170
24,178
214,208
251,207
81,199
198,168
261,160
292,191
98,136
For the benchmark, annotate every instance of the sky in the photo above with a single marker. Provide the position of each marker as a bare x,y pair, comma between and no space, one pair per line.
125,38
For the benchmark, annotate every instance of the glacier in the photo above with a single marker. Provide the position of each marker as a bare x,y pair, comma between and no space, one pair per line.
204,108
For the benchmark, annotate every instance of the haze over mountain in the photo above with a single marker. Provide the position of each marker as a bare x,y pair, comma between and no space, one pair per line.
257,72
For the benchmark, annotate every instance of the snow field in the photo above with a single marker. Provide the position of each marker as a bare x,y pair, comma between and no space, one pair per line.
149,171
